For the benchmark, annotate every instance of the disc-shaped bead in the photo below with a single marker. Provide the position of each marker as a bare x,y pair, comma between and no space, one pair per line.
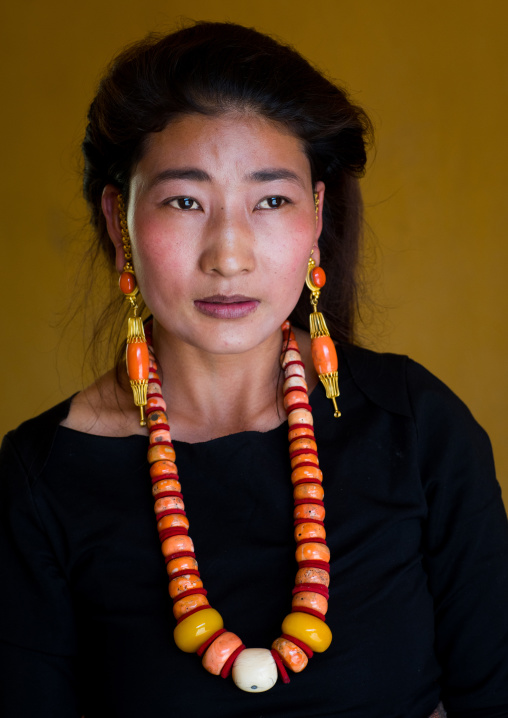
294,382
137,361
311,599
184,583
189,603
219,651
295,397
156,418
156,402
163,468
308,491
296,432
324,355
197,628
309,511
159,435
183,563
159,452
296,369
312,575
310,551
175,544
292,655
311,630
309,531
290,356
254,670
301,444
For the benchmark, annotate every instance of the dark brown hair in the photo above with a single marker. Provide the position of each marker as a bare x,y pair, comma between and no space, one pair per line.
210,68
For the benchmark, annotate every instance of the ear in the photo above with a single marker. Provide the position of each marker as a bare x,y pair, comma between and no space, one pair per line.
109,203
319,187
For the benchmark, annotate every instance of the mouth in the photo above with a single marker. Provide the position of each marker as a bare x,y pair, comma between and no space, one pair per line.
222,306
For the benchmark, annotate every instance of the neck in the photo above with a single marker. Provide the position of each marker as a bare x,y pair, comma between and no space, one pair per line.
212,395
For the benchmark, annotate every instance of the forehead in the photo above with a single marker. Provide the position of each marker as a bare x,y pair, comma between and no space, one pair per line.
235,142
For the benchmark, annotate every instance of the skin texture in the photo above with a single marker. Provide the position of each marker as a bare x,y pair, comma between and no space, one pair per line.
222,222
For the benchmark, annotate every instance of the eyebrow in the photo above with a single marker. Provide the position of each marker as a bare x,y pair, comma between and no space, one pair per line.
188,173
269,175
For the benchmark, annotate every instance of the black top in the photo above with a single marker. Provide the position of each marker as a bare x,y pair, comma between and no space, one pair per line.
416,528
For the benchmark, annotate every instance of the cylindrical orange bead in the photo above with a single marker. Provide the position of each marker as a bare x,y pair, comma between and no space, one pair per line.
166,485
296,432
318,277
219,651
168,503
184,583
301,458
189,603
159,452
300,444
292,655
312,552
310,599
295,397
174,544
127,282
324,355
159,435
172,521
306,472
163,468
312,575
309,531
300,416
309,511
308,491
155,418
137,361
184,563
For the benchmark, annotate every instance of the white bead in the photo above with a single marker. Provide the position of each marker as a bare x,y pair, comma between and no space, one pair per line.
254,670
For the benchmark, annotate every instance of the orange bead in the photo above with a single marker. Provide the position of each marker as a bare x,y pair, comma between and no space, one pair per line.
300,416
162,468
312,552
292,655
159,452
174,544
295,397
159,435
308,531
127,282
286,325
296,432
308,599
155,402
219,651
312,575
156,418
172,521
308,491
294,381
304,458
188,603
318,277
166,485
137,361
306,472
324,355
297,370
184,563
300,444
289,356
168,503
184,583
309,512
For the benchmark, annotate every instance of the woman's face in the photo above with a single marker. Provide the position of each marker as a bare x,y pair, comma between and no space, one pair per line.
222,223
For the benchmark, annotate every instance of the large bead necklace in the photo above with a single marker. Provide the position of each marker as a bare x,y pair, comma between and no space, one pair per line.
200,627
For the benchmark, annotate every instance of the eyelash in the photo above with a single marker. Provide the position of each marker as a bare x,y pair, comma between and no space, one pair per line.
177,200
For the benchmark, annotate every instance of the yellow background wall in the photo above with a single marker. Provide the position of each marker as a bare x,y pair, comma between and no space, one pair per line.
433,76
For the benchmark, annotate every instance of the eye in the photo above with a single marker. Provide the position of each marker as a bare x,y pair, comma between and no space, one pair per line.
183,203
272,203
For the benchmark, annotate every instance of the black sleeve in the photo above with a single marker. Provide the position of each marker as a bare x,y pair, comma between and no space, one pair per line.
37,634
466,550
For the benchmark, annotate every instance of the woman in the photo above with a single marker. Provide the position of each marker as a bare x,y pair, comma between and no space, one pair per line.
221,174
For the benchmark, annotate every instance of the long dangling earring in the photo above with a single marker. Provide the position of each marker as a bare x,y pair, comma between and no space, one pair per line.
324,354
137,358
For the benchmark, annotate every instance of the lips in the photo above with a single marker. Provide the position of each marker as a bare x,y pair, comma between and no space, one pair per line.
223,306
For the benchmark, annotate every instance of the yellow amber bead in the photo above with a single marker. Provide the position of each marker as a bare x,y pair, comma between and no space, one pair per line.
311,630
194,630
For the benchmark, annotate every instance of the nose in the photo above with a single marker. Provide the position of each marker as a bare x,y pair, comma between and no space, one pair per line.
228,244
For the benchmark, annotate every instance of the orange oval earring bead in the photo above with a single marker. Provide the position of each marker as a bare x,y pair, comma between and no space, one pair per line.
318,277
137,361
324,355
127,283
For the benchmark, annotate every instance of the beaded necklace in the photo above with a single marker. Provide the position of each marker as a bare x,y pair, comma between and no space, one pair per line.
200,628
